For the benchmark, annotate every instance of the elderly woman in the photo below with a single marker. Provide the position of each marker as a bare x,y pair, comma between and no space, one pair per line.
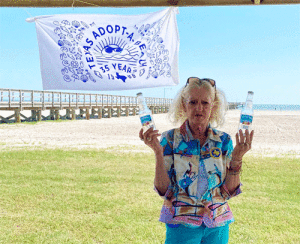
197,169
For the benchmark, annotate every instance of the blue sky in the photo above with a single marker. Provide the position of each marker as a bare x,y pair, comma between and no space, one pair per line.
242,47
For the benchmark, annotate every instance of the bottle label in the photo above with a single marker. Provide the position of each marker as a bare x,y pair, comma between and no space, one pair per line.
246,119
146,120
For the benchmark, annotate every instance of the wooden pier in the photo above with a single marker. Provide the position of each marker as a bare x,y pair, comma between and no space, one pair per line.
236,105
52,105
62,105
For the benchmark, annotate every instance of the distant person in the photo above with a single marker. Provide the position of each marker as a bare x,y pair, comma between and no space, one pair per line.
197,169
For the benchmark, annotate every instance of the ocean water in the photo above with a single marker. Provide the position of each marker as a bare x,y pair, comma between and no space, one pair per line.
276,107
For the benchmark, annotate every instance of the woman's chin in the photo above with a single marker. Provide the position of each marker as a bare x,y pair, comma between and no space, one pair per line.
199,122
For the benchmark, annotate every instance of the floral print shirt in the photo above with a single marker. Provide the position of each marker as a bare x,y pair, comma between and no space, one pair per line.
197,192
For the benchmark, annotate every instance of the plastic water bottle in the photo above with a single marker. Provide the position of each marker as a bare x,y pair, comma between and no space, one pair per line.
247,114
145,113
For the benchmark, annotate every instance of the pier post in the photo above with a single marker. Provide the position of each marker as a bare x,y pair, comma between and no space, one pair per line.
39,115
52,114
118,111
100,111
68,116
109,112
56,114
73,114
127,111
152,109
17,115
87,112
81,112
33,115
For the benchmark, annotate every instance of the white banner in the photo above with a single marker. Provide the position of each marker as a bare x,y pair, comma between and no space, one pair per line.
108,52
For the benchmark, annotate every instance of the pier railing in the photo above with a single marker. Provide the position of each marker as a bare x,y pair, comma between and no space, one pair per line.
25,99
101,105
89,105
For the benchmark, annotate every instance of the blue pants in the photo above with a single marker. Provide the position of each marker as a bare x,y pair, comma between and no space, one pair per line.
199,235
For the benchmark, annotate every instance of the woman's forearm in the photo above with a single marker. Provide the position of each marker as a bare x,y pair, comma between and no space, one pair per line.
232,182
161,180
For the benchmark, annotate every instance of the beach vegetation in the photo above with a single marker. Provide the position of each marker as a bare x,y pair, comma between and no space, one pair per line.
106,196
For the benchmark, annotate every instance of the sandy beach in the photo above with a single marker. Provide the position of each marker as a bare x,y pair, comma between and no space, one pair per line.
276,133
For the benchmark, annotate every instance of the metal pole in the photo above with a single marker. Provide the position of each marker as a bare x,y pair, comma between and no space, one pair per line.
32,98
52,99
20,99
43,106
76,100
60,98
9,103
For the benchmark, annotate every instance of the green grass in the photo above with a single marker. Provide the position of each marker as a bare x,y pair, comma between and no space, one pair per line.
92,196
268,211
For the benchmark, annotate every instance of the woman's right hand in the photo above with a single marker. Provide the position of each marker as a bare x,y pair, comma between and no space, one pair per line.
151,140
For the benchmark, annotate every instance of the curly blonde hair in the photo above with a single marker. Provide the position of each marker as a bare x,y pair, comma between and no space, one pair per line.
217,117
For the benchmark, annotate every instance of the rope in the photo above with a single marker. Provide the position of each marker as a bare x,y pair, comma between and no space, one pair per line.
86,3
27,12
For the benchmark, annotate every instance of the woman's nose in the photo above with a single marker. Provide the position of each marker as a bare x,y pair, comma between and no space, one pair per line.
199,107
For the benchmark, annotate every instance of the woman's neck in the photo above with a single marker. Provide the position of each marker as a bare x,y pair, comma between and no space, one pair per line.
199,132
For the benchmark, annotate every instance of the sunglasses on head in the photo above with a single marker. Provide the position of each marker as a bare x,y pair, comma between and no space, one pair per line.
194,79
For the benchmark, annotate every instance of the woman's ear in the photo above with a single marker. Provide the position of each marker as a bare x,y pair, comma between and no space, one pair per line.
214,106
214,109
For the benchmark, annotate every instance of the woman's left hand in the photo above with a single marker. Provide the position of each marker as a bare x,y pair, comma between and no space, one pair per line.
243,144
